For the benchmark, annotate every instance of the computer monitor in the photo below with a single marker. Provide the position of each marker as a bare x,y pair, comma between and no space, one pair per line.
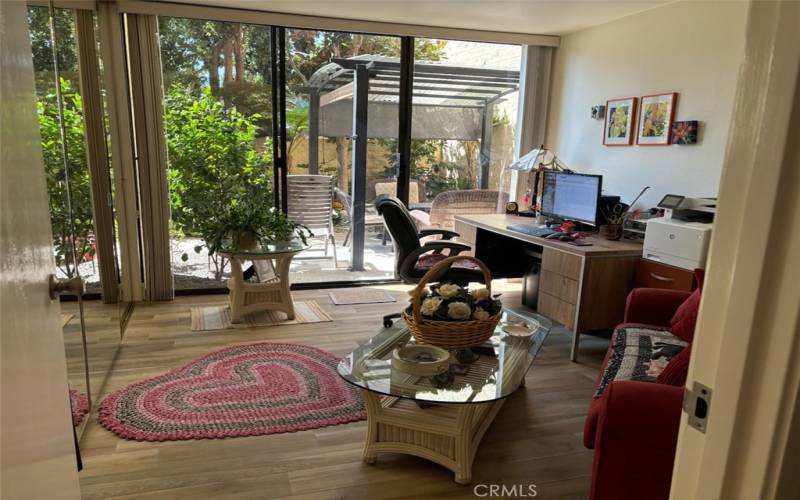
571,196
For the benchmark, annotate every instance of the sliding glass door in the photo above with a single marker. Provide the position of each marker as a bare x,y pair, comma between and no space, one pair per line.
309,121
465,98
327,108
218,123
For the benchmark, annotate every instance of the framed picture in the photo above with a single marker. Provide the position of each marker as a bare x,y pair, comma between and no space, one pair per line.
655,119
620,117
684,132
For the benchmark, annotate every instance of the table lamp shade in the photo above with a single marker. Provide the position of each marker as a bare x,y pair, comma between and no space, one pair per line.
534,158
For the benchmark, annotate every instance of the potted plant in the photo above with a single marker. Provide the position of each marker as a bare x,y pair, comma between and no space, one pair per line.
247,223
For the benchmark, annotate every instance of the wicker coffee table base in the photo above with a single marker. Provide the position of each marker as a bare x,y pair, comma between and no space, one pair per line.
448,434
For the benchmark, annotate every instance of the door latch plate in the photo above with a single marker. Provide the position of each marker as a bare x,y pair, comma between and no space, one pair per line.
697,404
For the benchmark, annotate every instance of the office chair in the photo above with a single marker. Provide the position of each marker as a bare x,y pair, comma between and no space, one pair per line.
412,259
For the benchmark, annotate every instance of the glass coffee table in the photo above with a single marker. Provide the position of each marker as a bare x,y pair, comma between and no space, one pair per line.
440,418
271,292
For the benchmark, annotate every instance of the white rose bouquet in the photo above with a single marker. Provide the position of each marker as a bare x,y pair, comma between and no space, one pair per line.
450,302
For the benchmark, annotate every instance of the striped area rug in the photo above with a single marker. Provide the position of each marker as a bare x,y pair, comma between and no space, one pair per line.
206,318
65,319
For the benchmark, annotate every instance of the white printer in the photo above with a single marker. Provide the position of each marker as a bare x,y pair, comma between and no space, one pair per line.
681,237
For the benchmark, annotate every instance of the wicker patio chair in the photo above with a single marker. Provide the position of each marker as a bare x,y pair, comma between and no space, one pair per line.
447,205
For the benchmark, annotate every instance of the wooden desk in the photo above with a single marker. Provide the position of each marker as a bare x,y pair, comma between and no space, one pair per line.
583,288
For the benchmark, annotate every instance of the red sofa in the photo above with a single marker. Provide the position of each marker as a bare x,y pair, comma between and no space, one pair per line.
633,425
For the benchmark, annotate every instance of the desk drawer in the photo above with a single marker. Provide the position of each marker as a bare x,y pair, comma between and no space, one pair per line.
559,310
562,263
651,274
561,287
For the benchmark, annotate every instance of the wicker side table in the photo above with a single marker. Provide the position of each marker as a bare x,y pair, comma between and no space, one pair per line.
272,291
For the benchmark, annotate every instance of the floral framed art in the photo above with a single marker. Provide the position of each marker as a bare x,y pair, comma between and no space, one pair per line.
656,115
620,117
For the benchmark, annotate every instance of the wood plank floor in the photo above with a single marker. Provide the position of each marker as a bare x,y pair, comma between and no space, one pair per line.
536,438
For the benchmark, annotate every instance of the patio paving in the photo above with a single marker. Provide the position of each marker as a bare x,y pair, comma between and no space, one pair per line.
197,272
310,266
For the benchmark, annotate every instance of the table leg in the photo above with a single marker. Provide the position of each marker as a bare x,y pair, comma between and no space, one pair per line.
283,264
373,404
236,297
464,443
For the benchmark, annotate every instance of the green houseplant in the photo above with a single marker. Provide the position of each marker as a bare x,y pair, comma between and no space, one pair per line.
243,226
246,223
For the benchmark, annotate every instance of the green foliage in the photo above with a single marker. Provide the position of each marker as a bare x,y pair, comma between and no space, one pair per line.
197,54
438,176
41,45
220,182
296,121
443,176
213,160
427,49
250,216
57,187
501,120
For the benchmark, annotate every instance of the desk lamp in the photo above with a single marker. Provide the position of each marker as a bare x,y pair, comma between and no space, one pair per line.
537,160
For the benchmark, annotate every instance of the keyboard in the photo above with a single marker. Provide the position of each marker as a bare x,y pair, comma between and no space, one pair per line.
531,230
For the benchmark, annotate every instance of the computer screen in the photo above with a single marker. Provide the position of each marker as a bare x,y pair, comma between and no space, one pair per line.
571,196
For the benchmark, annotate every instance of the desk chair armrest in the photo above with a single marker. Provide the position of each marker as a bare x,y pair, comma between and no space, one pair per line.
436,246
446,234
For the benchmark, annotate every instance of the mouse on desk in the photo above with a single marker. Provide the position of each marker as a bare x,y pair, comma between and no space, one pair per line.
560,237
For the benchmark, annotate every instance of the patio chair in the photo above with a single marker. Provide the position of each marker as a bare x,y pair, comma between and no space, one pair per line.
451,203
413,259
370,220
310,203
387,186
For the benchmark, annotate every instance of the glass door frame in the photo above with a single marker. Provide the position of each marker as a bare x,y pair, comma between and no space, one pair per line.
279,24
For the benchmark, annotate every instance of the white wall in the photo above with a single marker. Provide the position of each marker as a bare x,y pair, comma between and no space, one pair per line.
693,48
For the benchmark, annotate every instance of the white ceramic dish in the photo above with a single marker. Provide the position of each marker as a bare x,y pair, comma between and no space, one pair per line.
405,360
518,329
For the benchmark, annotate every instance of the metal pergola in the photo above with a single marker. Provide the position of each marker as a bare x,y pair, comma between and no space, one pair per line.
360,98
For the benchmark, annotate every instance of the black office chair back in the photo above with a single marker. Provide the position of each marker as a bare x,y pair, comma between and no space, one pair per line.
400,225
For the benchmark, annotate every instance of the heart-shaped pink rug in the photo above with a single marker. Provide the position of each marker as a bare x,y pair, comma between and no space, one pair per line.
245,390
79,402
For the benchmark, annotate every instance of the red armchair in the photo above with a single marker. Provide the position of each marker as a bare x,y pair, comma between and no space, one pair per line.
633,426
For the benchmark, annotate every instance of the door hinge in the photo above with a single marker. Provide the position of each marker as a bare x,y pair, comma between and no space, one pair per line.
697,404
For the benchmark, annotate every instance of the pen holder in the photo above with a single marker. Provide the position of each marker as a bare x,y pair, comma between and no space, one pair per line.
613,231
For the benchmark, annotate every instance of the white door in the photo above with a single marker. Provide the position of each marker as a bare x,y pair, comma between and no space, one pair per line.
746,345
37,453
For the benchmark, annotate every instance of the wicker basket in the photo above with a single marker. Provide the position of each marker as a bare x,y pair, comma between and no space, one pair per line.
449,334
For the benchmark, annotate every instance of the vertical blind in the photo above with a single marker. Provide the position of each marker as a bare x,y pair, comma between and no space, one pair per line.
147,95
96,153
533,101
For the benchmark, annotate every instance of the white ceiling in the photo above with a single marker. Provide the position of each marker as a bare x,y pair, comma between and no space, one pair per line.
545,17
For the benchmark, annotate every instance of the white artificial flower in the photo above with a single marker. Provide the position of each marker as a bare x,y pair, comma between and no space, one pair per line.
481,294
459,310
449,290
430,306
480,314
